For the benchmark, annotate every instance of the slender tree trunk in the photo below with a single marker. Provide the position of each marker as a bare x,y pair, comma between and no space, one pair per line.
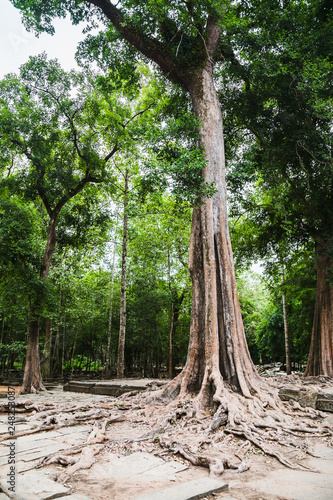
106,374
217,347
73,352
122,328
63,349
3,329
170,340
57,339
46,361
320,361
170,343
285,322
32,378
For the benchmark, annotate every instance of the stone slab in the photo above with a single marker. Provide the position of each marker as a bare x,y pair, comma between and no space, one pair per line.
323,451
136,467
75,496
42,451
191,490
20,466
295,485
325,402
19,427
74,429
34,485
325,466
82,387
166,470
114,387
31,442
127,466
306,397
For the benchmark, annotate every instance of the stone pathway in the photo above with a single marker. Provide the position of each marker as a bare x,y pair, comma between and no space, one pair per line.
127,477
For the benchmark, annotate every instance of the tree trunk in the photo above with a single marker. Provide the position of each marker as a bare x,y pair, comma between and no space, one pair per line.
320,361
46,362
170,339
32,378
285,322
122,327
170,342
217,347
2,329
73,351
106,374
63,349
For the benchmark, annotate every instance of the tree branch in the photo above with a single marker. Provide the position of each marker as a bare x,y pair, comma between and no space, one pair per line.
112,152
149,47
72,192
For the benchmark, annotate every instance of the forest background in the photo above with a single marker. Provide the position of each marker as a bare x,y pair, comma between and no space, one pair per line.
118,125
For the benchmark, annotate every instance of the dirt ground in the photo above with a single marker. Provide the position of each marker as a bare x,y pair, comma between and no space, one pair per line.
162,432
260,465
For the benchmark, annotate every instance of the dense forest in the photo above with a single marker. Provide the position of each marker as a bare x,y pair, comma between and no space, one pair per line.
115,229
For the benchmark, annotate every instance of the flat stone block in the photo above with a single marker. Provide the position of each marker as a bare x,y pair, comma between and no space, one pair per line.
323,451
34,485
42,452
162,471
305,397
74,429
110,387
325,402
109,390
187,491
325,466
85,387
295,485
75,496
127,466
287,393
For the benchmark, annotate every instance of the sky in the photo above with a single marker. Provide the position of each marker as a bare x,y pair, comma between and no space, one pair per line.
16,44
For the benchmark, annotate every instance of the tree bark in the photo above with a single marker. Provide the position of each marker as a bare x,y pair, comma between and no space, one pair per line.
217,347
285,322
170,343
320,361
122,327
32,378
106,373
46,361
170,339
2,329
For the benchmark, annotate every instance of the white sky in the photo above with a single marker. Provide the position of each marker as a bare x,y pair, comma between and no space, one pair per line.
16,44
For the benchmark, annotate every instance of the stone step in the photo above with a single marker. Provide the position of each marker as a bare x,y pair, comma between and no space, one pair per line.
109,387
191,490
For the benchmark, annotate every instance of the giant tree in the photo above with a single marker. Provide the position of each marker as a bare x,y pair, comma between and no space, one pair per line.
184,39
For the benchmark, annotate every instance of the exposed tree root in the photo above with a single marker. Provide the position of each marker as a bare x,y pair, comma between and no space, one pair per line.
249,436
79,462
216,465
82,456
259,419
65,416
229,426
